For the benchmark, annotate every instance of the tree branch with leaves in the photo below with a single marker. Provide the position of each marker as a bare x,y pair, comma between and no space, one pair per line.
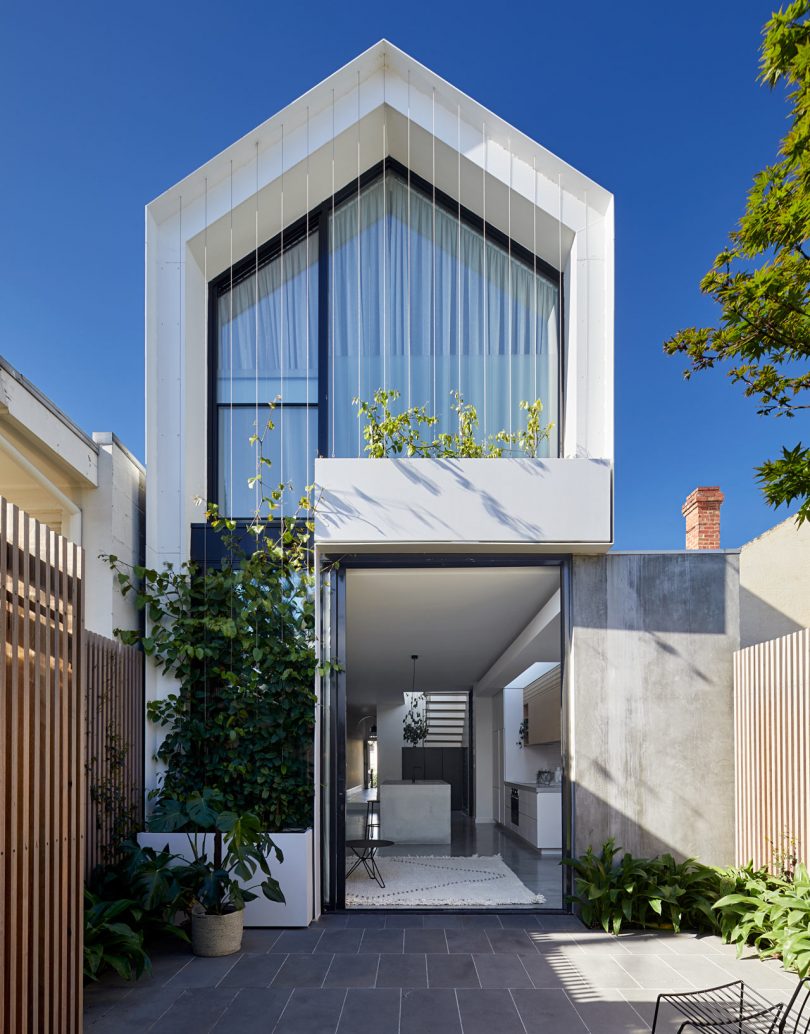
761,279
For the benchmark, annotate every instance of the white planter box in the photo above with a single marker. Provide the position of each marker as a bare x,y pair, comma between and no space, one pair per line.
294,875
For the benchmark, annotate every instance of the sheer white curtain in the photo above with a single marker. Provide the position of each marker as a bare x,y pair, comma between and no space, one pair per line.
267,352
424,305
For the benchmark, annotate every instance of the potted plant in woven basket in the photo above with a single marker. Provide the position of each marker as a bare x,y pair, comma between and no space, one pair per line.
228,851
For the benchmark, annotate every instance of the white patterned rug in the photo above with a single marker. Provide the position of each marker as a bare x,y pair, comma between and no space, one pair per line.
413,881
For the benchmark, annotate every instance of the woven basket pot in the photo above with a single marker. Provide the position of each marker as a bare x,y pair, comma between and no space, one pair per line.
212,936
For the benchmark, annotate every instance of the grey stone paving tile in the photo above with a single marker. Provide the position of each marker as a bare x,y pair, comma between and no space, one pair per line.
452,971
135,1014
302,971
483,1012
298,941
330,921
99,999
695,944
195,1011
379,941
481,922
344,941
201,972
423,941
402,971
651,971
643,1001
513,942
611,1014
254,1011
519,921
548,1012
637,943
366,1011
467,941
165,965
253,971
365,921
257,940
501,971
429,1012
393,922
549,971
442,922
352,971
312,1011
561,924
762,978
698,970
604,972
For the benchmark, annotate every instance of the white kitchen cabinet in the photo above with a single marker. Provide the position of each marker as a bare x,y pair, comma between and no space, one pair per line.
539,815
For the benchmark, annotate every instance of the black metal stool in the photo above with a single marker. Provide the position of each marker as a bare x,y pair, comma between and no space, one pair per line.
364,851
372,819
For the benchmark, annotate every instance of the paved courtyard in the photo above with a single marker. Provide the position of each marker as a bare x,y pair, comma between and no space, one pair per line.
420,974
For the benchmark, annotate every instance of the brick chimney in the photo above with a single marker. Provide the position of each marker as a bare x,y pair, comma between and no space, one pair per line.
702,513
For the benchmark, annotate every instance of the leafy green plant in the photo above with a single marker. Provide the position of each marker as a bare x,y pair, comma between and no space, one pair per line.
147,878
658,891
240,640
415,723
241,850
409,432
761,278
110,942
769,912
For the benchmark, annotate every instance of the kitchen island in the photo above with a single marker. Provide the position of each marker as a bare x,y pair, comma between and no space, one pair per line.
415,812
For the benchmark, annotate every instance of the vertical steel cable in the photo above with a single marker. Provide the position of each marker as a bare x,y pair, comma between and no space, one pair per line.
486,281
458,250
359,301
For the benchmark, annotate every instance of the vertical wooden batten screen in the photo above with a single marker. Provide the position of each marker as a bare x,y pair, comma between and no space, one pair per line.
41,778
115,762
772,743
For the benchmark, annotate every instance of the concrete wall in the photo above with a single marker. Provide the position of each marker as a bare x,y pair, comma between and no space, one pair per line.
355,733
390,716
650,683
775,583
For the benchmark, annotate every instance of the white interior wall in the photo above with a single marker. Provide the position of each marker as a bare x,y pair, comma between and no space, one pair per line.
390,715
483,718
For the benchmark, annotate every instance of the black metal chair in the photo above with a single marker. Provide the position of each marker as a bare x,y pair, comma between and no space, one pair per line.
736,1008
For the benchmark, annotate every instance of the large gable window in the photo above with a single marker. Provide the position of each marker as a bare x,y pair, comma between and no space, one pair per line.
424,303
417,297
267,352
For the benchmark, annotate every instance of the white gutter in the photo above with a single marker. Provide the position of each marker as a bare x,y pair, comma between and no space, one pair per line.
74,529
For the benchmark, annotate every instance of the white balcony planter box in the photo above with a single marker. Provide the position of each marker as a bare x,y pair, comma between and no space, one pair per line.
294,875
507,501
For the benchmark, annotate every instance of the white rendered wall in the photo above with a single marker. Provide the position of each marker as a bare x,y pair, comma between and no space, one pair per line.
775,583
483,711
556,503
113,523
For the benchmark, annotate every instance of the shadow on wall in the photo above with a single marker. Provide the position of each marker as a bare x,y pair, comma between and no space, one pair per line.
760,621
597,820
693,593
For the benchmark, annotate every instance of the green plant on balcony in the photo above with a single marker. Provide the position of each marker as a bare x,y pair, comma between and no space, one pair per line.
411,432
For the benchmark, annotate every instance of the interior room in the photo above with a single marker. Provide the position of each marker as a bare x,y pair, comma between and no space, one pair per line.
453,737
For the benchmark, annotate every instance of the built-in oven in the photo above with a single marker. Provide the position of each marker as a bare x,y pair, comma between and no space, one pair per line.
514,802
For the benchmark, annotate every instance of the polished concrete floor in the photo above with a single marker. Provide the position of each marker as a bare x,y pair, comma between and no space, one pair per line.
542,874
426,974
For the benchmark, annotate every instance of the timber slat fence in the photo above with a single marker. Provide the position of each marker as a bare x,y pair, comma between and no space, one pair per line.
772,744
42,771
115,774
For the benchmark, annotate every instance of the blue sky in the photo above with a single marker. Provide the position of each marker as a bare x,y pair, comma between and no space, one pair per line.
108,105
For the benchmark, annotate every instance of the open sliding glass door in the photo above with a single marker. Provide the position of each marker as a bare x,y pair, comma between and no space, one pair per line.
333,735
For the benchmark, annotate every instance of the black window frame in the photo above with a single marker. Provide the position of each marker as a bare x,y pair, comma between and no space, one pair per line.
317,221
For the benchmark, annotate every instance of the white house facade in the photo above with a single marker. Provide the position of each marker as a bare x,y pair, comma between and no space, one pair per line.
385,231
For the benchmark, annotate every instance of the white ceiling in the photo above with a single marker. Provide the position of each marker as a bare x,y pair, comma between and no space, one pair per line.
459,621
